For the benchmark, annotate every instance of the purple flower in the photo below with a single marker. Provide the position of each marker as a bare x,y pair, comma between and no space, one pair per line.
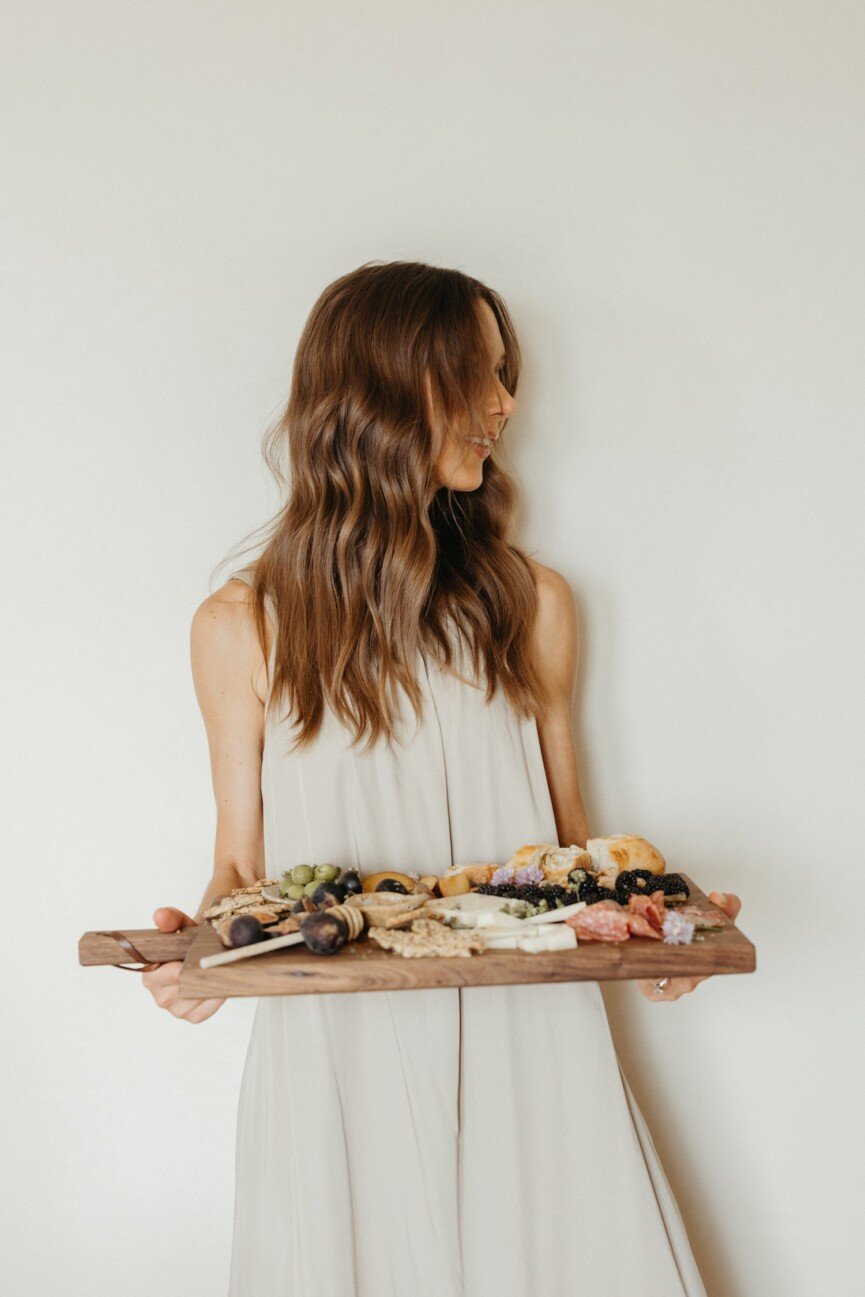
677,930
529,874
504,874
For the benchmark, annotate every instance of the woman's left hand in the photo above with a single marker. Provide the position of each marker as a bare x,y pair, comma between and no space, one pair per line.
672,987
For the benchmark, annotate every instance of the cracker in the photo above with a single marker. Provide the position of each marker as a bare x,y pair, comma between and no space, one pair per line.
428,937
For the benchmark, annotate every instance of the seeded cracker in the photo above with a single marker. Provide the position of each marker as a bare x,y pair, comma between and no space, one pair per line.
427,937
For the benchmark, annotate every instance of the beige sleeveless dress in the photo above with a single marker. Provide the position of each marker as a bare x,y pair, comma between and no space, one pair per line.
438,1143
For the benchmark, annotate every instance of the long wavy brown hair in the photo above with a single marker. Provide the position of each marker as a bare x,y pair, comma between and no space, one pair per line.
371,559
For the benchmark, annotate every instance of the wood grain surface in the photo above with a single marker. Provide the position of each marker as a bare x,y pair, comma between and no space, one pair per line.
160,947
364,966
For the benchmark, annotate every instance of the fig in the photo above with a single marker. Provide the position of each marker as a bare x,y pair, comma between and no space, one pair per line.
351,882
326,873
244,930
302,874
328,893
391,885
323,933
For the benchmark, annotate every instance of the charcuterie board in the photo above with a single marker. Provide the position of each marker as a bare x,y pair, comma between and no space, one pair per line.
363,965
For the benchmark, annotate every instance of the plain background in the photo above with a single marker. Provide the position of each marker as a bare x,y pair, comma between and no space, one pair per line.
670,197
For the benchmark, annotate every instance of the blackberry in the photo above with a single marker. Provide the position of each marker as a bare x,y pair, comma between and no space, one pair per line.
587,888
635,881
674,885
631,881
553,894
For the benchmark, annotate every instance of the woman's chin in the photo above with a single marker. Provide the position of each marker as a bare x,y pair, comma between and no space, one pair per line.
466,478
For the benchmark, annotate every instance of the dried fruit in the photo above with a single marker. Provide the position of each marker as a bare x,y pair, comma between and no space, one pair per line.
328,893
244,930
323,932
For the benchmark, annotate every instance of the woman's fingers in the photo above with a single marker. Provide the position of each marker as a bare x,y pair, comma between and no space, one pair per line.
664,989
164,985
169,998
202,1010
728,902
162,975
169,919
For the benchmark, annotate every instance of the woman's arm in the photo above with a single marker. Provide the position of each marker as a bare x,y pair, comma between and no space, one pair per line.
227,666
227,671
556,655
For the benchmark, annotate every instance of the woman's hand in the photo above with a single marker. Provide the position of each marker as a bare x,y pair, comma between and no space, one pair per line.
162,981
673,987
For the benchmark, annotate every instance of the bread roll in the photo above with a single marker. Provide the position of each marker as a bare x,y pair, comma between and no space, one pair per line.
556,862
528,855
461,878
619,851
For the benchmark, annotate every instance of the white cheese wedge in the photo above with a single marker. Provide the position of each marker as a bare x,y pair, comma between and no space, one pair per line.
560,938
533,940
555,916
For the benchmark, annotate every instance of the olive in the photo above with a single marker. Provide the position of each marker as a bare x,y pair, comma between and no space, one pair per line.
244,930
324,933
327,873
392,885
302,874
328,893
351,882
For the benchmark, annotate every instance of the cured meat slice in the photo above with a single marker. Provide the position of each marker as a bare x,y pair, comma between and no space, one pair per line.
638,926
650,908
703,916
603,921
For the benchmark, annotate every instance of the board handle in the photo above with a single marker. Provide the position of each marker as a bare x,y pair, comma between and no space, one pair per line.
147,947
145,964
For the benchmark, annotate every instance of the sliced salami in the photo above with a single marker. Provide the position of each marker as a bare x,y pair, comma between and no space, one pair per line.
603,921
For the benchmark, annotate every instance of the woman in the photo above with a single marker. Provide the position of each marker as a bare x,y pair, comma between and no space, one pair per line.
390,686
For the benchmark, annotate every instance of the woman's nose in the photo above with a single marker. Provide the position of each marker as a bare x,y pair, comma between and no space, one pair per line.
507,404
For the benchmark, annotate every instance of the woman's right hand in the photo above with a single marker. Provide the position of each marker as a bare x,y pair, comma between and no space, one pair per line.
163,981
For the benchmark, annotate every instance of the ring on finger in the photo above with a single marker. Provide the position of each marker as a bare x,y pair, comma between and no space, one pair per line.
661,985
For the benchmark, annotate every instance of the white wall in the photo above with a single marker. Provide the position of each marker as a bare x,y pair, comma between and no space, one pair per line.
670,197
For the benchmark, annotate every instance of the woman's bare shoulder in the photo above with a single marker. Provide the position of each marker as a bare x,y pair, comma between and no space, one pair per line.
554,591
224,642
555,637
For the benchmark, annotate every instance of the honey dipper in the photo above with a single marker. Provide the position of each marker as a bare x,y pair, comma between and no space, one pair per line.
323,931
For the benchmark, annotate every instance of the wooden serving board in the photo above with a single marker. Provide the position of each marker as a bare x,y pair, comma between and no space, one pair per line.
364,966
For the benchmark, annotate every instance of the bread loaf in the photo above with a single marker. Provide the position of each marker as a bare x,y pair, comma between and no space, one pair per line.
619,851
